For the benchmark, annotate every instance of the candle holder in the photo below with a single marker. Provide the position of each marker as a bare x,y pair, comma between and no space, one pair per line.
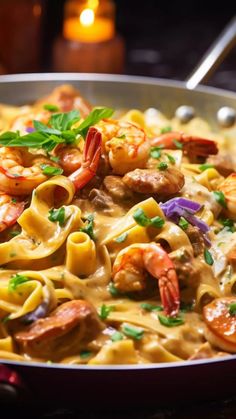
89,42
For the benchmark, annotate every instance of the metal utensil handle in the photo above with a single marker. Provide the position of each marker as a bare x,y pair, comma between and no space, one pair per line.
214,55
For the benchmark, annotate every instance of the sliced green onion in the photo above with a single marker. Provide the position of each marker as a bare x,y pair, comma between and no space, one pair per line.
208,257
151,307
104,311
170,158
162,166
155,152
50,108
170,321
206,166
183,223
166,129
117,336
178,144
17,280
51,170
220,198
132,331
232,309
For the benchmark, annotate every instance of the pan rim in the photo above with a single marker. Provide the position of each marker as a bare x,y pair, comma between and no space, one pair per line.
116,78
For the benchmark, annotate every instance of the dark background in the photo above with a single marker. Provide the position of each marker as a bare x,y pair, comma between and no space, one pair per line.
163,38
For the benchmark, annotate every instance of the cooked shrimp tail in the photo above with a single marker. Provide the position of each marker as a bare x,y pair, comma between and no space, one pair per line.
91,156
10,210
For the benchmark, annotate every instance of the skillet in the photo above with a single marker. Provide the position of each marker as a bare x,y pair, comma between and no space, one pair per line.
148,385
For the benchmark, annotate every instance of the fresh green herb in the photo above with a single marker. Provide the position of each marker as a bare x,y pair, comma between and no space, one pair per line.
104,311
121,238
220,198
14,233
93,118
55,159
51,170
155,152
57,215
117,336
142,219
6,319
132,331
170,321
151,307
178,144
85,354
166,129
186,307
228,224
157,222
170,158
162,166
232,309
208,257
121,137
183,223
50,108
57,131
206,166
88,228
14,200
16,280
113,290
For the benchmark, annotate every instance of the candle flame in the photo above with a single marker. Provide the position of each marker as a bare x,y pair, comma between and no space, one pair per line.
87,17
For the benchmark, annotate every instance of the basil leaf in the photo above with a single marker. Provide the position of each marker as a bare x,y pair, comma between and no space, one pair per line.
51,170
39,126
220,198
141,218
206,166
170,321
151,307
104,311
132,331
208,257
93,118
16,280
121,238
57,215
50,108
64,121
183,223
232,309
162,166
117,336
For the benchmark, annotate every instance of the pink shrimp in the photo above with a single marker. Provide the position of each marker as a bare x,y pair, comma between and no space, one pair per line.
129,273
10,210
192,146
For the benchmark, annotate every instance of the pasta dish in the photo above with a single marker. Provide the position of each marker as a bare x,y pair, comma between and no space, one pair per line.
117,235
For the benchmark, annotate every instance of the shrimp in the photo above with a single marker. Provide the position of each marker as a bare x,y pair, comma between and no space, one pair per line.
221,323
65,331
20,171
152,181
126,144
129,273
228,187
10,210
192,146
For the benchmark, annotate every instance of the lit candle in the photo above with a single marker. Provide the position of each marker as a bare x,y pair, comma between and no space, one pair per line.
89,25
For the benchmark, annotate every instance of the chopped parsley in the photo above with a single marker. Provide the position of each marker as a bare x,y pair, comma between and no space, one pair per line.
14,200
162,166
88,228
121,238
50,108
16,280
143,220
183,223
155,152
232,309
178,144
228,224
57,215
51,170
104,311
208,257
166,129
206,166
117,336
151,307
170,321
132,331
170,158
113,290
220,198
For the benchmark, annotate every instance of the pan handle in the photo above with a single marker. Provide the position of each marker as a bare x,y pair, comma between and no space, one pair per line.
214,55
